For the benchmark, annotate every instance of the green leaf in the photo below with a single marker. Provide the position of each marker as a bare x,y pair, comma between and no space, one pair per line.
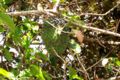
54,1
17,36
1,0
6,73
7,1
7,54
46,75
42,56
26,40
54,39
6,20
2,9
73,74
37,72
1,29
75,46
118,63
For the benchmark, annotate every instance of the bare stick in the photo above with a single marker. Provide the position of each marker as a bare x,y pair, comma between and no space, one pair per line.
96,29
31,12
102,31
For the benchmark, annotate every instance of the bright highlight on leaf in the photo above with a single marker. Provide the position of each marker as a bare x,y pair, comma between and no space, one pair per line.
6,20
6,74
75,46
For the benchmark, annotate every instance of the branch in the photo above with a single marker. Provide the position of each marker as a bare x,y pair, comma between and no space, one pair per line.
37,12
96,29
96,14
31,12
102,31
53,11
100,59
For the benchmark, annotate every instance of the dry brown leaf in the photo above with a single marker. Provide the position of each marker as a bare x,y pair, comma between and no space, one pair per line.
79,36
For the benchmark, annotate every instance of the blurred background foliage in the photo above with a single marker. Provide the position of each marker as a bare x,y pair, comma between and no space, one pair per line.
44,47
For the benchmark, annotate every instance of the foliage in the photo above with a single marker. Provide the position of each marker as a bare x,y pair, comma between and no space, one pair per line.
52,47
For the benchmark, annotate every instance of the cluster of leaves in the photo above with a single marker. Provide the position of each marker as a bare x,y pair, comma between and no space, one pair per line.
66,56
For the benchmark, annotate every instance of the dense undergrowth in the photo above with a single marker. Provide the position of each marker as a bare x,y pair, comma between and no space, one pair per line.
59,40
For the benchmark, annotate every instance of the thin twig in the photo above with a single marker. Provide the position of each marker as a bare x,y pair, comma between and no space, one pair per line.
65,63
96,14
58,55
90,28
100,60
58,28
83,68
96,29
